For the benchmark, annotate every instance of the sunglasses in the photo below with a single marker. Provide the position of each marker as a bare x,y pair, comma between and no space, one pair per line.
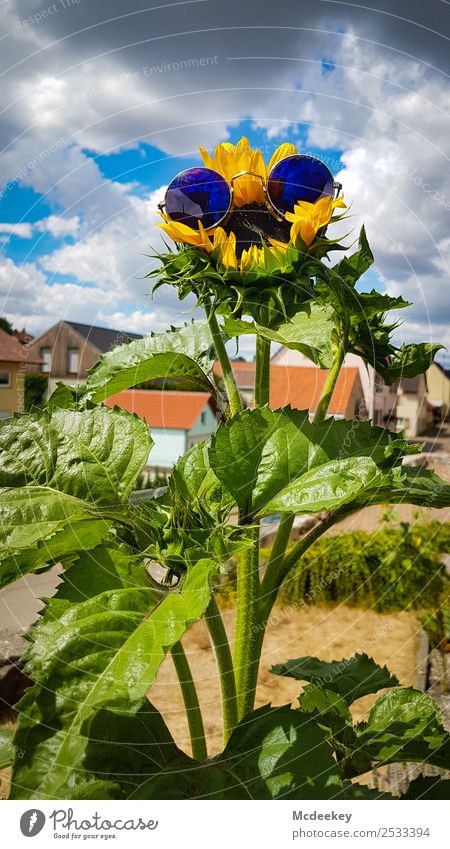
203,195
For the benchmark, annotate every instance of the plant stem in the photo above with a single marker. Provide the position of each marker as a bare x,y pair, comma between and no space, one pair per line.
275,562
246,645
234,397
270,587
222,651
248,641
191,703
330,383
262,372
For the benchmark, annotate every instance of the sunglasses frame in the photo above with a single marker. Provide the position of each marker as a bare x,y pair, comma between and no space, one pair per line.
337,188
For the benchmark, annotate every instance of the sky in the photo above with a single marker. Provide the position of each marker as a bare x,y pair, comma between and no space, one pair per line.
102,103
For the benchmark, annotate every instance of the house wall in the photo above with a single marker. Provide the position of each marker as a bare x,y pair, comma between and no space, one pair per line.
439,387
169,445
59,338
202,428
413,415
11,397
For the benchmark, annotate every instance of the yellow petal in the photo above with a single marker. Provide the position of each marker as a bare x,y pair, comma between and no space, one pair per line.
284,150
181,232
207,159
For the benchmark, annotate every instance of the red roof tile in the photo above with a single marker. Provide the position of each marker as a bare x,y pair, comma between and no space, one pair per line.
11,351
162,409
300,386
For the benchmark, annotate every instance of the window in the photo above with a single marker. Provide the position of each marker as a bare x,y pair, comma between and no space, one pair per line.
73,360
203,417
5,414
46,359
5,378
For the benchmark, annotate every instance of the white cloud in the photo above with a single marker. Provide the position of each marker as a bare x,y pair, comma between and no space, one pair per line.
58,226
23,230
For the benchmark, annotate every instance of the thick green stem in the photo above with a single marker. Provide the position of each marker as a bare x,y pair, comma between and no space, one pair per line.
247,643
270,587
330,383
191,703
234,398
275,562
262,372
222,651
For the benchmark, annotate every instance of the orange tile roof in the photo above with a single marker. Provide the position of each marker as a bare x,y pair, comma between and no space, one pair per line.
11,351
300,386
178,410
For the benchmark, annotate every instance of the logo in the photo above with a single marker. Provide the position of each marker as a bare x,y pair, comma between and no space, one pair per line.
32,822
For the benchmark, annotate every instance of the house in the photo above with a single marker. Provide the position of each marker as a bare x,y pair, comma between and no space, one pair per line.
177,420
413,412
438,382
301,387
376,394
14,361
68,349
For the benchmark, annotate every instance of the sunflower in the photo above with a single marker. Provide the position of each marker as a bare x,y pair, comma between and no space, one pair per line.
254,238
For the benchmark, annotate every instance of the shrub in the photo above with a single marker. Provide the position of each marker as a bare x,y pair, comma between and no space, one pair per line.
390,569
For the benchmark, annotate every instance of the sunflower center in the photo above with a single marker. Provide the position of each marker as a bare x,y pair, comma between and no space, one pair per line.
254,224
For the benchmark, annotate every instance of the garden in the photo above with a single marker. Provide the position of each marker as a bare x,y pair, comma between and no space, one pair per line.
301,716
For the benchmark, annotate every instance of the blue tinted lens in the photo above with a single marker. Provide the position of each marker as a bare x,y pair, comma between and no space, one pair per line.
298,177
198,194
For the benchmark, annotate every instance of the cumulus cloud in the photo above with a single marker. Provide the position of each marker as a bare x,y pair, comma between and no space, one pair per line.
98,78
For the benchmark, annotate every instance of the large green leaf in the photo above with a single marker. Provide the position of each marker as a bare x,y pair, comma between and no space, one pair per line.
311,331
95,454
274,753
404,725
351,678
185,352
40,526
97,654
122,751
409,361
266,458
410,485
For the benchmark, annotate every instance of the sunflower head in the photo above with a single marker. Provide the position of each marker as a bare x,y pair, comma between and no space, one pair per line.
254,245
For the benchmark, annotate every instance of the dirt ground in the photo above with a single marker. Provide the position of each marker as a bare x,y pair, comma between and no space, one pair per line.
328,633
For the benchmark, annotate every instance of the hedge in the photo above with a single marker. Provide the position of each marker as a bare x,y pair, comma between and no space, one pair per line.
389,569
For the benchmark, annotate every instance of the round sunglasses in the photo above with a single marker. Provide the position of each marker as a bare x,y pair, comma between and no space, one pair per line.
203,195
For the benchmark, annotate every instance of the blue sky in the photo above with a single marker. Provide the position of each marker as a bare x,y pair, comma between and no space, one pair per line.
100,107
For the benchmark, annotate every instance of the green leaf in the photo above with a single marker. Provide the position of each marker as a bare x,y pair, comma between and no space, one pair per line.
326,488
410,485
40,526
277,457
409,361
6,747
122,751
352,678
311,331
99,654
195,481
95,454
274,753
185,352
428,788
405,725
349,270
